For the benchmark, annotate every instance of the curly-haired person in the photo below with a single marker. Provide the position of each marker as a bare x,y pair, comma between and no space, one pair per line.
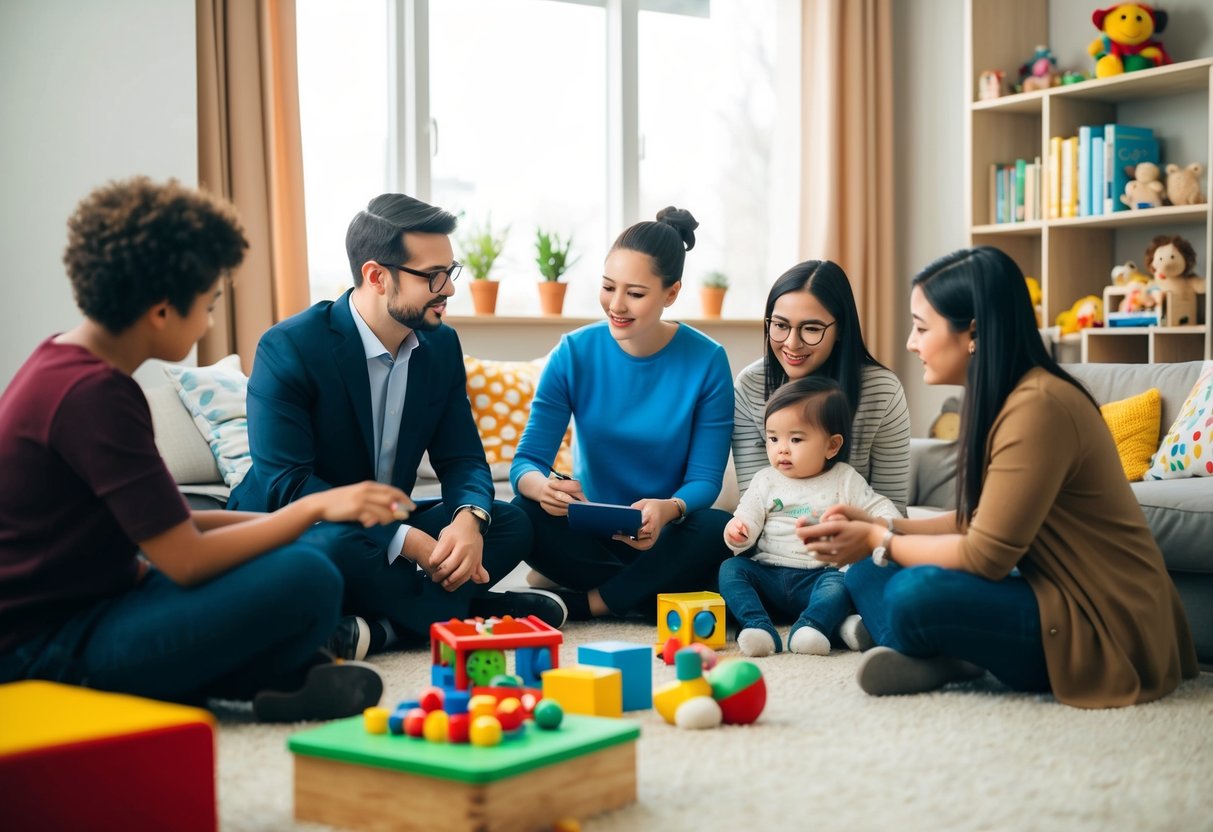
222,603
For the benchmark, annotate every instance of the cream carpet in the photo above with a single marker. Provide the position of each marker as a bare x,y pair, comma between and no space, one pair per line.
825,756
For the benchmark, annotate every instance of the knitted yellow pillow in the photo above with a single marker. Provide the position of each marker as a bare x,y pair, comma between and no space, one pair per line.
501,393
1134,423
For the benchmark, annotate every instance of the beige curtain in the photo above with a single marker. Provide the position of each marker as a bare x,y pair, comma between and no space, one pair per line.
250,152
847,155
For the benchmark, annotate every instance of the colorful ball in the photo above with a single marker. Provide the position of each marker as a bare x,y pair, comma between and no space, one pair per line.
436,727
431,699
485,731
414,722
740,689
509,714
375,720
482,705
548,714
671,648
459,728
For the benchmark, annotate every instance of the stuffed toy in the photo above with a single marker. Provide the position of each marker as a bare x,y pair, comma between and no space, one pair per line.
1086,312
1173,261
1126,44
1040,72
1128,274
1145,189
1183,184
1035,296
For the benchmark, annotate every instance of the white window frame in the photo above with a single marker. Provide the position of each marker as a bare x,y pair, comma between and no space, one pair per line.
412,132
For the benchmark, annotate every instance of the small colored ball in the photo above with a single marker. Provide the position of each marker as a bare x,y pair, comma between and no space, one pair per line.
483,665
485,731
459,728
482,705
740,689
548,714
671,648
414,723
437,726
431,699
529,701
375,720
509,714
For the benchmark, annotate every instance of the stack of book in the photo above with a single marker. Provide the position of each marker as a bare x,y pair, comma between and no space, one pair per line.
1087,173
1015,192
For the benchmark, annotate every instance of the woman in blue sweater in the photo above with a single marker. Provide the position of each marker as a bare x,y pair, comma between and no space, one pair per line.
653,406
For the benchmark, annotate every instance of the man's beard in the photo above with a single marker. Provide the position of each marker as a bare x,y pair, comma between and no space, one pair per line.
413,317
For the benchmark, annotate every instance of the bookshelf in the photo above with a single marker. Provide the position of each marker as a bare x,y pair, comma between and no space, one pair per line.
1073,256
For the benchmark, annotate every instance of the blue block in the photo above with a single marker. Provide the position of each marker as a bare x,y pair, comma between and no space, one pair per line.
529,664
442,676
634,661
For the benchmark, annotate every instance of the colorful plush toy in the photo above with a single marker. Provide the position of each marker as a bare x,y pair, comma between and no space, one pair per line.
1145,189
1126,44
1183,184
1086,312
1128,274
1040,72
1173,262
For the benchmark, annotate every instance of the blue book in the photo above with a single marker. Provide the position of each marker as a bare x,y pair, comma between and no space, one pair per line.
1124,146
1001,197
1084,171
1097,175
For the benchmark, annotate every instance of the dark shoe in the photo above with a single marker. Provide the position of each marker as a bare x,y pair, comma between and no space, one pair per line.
577,603
885,672
544,605
351,639
329,691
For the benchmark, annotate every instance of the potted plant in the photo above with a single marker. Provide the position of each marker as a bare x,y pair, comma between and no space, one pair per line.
480,249
711,293
552,257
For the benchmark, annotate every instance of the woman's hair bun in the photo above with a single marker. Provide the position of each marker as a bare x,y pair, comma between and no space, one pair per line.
682,221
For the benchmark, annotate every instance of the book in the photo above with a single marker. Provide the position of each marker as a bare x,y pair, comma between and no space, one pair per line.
1084,171
1124,146
1069,171
1054,172
1020,170
604,519
1097,175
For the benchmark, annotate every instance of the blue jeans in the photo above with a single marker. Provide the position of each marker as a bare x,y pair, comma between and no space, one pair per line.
256,626
816,596
930,611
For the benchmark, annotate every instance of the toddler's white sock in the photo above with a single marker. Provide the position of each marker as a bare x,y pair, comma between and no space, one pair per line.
810,641
755,642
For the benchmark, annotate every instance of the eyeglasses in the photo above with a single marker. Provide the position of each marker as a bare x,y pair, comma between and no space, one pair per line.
437,278
811,332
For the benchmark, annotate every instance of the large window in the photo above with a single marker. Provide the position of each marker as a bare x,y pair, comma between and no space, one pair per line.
575,116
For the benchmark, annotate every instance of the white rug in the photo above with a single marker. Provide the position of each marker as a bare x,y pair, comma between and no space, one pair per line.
825,756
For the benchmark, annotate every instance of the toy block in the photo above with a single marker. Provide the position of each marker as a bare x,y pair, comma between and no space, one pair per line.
593,691
691,617
632,660
529,663
348,778
455,642
73,758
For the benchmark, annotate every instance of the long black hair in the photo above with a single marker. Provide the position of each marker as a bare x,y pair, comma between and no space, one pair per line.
666,241
826,281
983,288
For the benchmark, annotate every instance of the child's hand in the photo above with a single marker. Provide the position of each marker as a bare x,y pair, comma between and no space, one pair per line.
368,503
737,531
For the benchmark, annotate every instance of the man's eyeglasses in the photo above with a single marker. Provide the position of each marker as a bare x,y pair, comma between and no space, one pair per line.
437,278
811,332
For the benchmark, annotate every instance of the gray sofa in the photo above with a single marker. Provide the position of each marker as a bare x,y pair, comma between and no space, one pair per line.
1180,512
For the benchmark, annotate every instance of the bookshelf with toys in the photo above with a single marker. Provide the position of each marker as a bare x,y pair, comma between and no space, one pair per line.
1065,235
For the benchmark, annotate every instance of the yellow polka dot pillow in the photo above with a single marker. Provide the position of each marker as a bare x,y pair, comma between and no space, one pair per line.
1187,450
1134,426
501,393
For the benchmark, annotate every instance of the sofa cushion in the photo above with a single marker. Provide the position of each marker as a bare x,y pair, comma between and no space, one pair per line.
215,398
185,451
1187,448
1134,425
1180,513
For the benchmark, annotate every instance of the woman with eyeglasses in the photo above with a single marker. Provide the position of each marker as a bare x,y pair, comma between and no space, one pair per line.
812,329
653,404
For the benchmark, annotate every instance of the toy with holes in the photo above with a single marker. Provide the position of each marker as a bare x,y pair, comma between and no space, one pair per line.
472,652
352,774
73,758
689,618
632,660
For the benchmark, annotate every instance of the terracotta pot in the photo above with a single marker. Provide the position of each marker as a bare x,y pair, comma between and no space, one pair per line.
711,299
551,297
484,296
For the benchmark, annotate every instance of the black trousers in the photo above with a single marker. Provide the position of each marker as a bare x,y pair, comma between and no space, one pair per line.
685,558
402,593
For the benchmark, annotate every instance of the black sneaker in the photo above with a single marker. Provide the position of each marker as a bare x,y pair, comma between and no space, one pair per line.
351,639
329,691
544,605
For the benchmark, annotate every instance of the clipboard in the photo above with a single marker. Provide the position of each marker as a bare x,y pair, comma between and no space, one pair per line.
604,519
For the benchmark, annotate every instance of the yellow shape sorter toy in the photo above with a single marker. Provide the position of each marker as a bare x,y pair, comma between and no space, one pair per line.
588,690
691,617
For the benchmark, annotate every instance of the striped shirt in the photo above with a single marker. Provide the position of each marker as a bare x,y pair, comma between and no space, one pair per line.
880,434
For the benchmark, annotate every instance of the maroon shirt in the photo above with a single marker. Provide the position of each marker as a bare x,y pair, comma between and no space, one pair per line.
81,482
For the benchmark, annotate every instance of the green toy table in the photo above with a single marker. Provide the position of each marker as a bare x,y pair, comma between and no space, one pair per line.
347,777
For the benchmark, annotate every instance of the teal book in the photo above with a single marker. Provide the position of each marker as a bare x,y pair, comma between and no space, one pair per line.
1098,176
1020,169
1124,147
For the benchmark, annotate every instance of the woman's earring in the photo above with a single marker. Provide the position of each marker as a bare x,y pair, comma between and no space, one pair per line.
972,348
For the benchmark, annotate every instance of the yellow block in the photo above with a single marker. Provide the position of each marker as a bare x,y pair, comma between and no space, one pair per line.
582,689
45,714
676,612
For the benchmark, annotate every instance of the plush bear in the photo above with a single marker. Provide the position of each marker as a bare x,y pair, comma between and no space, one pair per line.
1173,261
1183,184
1126,44
1145,189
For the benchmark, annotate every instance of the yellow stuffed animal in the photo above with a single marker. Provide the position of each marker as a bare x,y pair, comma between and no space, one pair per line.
1086,312
1126,45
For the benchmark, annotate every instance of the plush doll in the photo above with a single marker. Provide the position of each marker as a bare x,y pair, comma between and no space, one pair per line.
1040,72
1126,44
1086,312
1173,261
1145,189
1128,274
1183,184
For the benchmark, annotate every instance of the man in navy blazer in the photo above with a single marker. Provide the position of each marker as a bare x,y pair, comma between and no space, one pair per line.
359,388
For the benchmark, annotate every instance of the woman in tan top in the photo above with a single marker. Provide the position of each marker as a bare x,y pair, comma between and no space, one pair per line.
1047,574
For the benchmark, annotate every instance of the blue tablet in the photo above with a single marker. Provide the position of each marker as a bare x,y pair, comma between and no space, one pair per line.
604,519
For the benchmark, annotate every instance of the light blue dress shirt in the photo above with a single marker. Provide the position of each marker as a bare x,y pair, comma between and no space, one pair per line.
389,377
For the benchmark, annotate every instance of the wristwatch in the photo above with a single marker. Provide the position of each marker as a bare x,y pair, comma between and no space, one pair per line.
880,555
480,514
